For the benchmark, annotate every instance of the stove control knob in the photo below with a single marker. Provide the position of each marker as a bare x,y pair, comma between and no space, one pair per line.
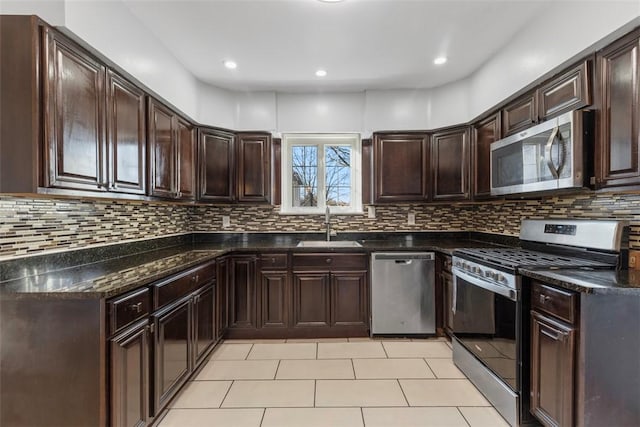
458,264
490,274
500,278
477,270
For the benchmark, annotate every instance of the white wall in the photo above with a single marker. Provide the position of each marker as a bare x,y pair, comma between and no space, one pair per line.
565,29
51,11
320,112
113,30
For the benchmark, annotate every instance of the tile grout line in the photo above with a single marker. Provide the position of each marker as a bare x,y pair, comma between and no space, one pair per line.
315,390
249,352
264,412
362,415
385,351
463,417
353,368
429,368
403,394
317,350
275,374
226,394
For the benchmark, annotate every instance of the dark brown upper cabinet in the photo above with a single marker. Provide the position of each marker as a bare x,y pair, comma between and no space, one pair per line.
450,164
171,153
235,168
74,116
94,123
401,165
618,77
254,167
519,114
569,91
217,166
126,135
485,132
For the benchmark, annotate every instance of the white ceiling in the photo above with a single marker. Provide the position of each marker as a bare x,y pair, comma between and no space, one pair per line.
363,44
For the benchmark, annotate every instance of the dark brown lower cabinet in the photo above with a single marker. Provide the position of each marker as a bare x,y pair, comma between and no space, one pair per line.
222,289
130,376
349,299
554,320
242,292
172,353
311,301
274,294
204,322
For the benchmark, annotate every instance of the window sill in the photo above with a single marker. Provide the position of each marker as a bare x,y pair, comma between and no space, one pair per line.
333,214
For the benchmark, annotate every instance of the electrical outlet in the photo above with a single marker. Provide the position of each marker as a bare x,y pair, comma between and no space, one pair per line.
371,212
226,221
411,218
634,260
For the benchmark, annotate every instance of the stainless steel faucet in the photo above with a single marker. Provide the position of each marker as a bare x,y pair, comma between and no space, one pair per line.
327,223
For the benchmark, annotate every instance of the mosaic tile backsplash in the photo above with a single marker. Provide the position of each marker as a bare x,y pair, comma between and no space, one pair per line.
30,226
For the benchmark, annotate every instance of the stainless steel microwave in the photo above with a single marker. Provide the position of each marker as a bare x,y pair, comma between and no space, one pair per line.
552,155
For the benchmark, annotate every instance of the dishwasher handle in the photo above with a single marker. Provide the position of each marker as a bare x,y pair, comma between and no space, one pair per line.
404,257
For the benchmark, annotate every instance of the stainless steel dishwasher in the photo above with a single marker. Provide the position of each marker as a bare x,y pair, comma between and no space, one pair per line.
403,293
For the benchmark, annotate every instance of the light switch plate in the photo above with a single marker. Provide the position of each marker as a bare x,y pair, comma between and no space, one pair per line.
411,218
371,212
226,221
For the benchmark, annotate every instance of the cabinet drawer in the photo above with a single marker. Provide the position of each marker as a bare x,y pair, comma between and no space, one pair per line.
556,302
330,261
274,262
171,289
128,308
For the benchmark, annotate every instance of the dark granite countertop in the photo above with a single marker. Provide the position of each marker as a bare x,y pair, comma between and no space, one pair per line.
113,274
625,282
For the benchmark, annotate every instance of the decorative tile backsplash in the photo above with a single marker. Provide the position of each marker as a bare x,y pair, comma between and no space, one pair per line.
35,225
30,226
388,218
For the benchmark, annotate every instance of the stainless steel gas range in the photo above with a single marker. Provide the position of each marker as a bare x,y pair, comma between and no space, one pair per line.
491,307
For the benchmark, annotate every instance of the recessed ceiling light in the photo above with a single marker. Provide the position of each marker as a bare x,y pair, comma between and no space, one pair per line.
440,60
321,73
230,64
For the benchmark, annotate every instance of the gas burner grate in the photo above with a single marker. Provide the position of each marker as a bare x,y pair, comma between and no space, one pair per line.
528,258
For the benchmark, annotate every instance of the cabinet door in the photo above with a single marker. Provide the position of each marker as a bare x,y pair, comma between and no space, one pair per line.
129,377
222,282
485,133
172,353
126,135
162,151
274,297
74,117
242,292
567,92
204,321
618,162
349,299
450,164
217,169
401,167
311,303
254,167
186,151
520,114
552,370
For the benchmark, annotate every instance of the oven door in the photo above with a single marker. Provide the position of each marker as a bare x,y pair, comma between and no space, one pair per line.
485,322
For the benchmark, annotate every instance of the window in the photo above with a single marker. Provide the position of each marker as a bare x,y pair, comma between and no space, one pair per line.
320,170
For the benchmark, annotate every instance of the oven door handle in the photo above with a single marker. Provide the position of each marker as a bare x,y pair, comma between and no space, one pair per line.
512,294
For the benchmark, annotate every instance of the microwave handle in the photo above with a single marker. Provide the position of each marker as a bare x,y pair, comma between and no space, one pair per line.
555,172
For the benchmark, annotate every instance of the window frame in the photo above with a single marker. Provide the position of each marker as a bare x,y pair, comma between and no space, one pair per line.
321,140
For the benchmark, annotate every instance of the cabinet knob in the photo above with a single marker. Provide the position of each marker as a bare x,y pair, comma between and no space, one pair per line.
195,277
273,260
329,260
544,298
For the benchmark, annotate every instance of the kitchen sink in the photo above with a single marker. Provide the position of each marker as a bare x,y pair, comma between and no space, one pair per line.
329,244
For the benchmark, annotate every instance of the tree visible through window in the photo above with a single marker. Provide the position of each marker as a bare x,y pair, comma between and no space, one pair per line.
320,171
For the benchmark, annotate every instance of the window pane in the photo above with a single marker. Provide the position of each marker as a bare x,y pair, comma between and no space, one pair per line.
338,175
304,176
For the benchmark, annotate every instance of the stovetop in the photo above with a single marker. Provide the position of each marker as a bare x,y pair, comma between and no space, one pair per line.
519,258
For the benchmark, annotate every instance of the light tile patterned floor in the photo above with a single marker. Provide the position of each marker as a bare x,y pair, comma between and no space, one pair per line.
331,383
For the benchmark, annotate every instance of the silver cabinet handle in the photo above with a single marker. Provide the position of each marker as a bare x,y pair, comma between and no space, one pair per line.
555,172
